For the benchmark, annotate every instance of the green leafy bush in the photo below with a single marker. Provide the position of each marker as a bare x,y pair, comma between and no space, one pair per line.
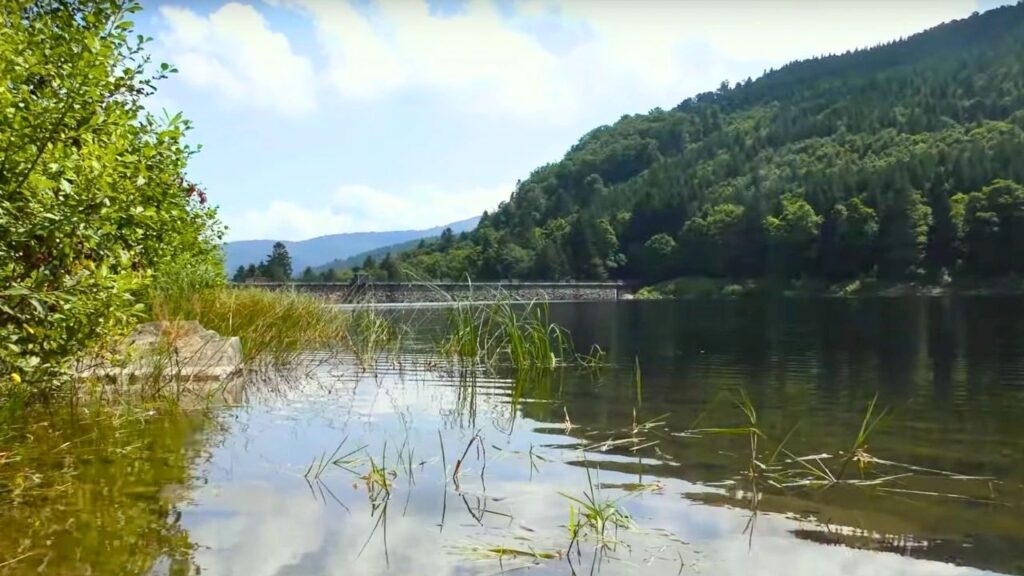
93,204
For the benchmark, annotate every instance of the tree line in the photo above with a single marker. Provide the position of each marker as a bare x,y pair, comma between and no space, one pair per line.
277,267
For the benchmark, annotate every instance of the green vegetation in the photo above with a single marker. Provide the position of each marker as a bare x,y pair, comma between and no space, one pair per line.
900,162
108,473
273,326
94,205
593,516
509,333
340,267
370,333
697,286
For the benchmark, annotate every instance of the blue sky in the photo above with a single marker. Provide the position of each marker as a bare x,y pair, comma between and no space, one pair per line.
328,116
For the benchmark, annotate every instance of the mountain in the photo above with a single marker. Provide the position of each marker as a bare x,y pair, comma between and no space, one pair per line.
900,161
317,251
377,254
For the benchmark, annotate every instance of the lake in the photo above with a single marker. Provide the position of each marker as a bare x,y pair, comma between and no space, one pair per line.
416,468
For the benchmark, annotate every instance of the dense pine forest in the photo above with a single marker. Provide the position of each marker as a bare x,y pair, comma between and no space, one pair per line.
903,161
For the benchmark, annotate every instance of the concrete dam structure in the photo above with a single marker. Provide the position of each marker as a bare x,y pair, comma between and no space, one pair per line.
419,292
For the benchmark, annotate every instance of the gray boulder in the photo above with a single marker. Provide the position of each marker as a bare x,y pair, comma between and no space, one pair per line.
177,350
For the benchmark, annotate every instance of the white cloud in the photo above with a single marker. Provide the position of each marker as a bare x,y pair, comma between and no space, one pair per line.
503,61
234,53
359,208
475,57
653,35
570,62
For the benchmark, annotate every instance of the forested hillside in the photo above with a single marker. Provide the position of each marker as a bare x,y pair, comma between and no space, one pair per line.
901,161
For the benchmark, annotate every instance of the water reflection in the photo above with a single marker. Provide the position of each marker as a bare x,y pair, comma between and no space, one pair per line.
477,468
444,529
97,491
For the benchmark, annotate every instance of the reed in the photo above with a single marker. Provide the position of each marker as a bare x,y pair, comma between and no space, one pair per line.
593,516
858,452
638,382
370,334
505,333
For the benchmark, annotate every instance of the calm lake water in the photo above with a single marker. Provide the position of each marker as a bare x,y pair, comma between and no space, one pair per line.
251,488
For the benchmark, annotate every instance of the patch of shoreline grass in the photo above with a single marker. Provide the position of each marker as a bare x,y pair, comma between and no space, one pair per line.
273,326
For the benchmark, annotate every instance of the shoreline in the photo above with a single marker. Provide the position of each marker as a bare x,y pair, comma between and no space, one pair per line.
698,287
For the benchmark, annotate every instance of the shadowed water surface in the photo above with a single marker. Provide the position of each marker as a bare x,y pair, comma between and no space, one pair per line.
333,470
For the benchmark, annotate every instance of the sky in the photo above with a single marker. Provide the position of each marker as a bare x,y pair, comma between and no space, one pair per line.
327,116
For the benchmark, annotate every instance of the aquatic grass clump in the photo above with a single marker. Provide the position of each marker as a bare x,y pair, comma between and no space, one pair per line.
274,326
593,516
370,333
506,333
530,341
858,452
782,469
467,339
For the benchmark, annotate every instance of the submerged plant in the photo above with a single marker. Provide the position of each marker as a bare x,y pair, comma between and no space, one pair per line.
858,452
594,516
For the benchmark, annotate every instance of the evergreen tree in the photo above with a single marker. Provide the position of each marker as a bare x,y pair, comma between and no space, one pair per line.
389,266
278,266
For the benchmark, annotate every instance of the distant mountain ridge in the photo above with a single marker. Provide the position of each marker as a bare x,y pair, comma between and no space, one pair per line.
340,264
318,251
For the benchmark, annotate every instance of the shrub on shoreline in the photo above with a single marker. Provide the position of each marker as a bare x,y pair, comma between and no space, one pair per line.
93,201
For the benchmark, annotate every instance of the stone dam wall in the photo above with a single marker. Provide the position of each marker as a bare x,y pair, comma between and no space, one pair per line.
425,292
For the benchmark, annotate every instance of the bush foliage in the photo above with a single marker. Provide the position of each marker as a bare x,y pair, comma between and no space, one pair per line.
94,206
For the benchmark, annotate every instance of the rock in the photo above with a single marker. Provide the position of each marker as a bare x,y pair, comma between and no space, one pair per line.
183,350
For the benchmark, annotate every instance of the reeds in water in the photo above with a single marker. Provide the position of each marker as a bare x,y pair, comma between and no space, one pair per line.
370,334
505,333
810,470
594,516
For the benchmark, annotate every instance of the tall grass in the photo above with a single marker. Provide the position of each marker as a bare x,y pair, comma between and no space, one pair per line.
506,332
273,326
370,333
